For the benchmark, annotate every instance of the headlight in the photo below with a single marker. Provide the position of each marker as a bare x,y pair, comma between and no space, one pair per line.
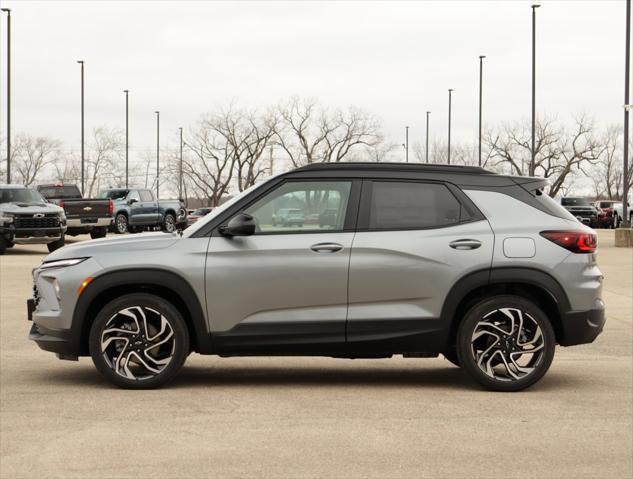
6,218
62,263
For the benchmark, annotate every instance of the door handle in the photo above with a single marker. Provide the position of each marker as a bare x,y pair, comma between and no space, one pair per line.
326,247
464,244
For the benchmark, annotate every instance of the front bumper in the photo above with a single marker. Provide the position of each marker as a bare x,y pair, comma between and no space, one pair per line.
581,327
32,236
52,341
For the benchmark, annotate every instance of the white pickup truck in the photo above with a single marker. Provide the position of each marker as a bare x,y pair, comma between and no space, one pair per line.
617,211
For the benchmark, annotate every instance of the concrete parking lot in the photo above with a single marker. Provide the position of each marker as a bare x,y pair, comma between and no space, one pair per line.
316,417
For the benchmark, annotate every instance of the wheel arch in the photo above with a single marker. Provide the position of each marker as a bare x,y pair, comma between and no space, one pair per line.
165,284
533,284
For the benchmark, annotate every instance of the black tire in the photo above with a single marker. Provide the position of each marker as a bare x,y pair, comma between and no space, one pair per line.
121,224
169,223
3,245
533,321
55,245
100,232
178,346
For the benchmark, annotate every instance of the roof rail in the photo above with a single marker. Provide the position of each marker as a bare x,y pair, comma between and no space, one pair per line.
395,166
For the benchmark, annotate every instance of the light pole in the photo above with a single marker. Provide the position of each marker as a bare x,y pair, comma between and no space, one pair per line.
481,69
180,167
450,107
427,136
8,10
81,62
127,137
406,141
533,159
157,153
627,67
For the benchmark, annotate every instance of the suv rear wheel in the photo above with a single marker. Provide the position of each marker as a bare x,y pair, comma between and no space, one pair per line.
139,341
506,343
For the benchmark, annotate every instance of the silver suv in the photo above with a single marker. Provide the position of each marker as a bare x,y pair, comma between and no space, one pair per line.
420,260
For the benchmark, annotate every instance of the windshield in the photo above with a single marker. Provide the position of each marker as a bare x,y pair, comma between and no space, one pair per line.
223,207
200,211
61,192
575,202
20,195
113,194
606,204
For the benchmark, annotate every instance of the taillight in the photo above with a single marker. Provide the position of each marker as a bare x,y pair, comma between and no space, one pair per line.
61,203
574,241
110,208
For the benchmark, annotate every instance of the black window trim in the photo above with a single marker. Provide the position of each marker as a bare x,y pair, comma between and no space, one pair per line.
351,215
365,205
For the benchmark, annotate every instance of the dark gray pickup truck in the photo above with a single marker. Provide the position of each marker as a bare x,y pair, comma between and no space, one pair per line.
84,215
137,209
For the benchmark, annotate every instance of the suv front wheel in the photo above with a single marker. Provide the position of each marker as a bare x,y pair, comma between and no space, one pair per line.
139,341
506,343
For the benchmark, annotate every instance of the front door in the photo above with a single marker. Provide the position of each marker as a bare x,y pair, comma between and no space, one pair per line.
415,240
284,289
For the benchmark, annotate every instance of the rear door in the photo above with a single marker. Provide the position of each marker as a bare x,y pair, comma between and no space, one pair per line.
150,207
414,241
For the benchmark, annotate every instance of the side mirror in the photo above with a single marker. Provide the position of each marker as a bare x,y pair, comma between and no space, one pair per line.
240,225
131,201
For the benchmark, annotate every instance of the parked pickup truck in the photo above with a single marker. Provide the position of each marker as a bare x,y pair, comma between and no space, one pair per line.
83,215
26,218
138,209
580,207
618,212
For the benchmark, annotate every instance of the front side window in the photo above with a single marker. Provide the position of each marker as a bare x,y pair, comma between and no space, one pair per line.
410,205
302,206
133,195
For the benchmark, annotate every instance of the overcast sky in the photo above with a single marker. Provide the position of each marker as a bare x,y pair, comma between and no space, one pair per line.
393,59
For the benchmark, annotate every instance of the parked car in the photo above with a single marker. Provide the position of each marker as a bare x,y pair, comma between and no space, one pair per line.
138,209
430,259
83,215
288,217
606,217
196,214
618,212
329,217
581,209
26,218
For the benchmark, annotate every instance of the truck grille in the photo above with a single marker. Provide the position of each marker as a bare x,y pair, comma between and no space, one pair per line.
28,221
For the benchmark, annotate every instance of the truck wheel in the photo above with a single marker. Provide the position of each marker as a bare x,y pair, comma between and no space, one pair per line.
169,223
98,232
55,244
120,224
3,245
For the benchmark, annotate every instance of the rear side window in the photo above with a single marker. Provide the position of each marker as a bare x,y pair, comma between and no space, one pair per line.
412,205
63,192
146,195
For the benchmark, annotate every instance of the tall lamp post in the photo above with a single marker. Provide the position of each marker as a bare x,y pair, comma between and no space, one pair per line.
8,10
481,69
426,153
450,107
157,153
180,168
533,159
127,138
626,223
81,62
406,141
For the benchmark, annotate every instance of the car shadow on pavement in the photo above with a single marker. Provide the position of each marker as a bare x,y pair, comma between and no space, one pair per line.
190,377
17,251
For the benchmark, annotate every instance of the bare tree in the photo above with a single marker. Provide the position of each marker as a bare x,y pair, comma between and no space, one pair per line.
32,156
559,152
104,159
310,134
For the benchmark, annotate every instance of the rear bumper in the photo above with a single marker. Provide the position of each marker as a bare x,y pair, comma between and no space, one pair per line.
581,327
77,223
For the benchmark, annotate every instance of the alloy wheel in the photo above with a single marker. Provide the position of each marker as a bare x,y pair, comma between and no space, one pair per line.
170,224
137,343
507,344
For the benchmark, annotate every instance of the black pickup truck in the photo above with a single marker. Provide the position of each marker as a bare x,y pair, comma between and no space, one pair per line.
83,215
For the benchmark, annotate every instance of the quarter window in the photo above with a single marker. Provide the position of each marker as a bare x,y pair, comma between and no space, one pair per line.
302,206
410,205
